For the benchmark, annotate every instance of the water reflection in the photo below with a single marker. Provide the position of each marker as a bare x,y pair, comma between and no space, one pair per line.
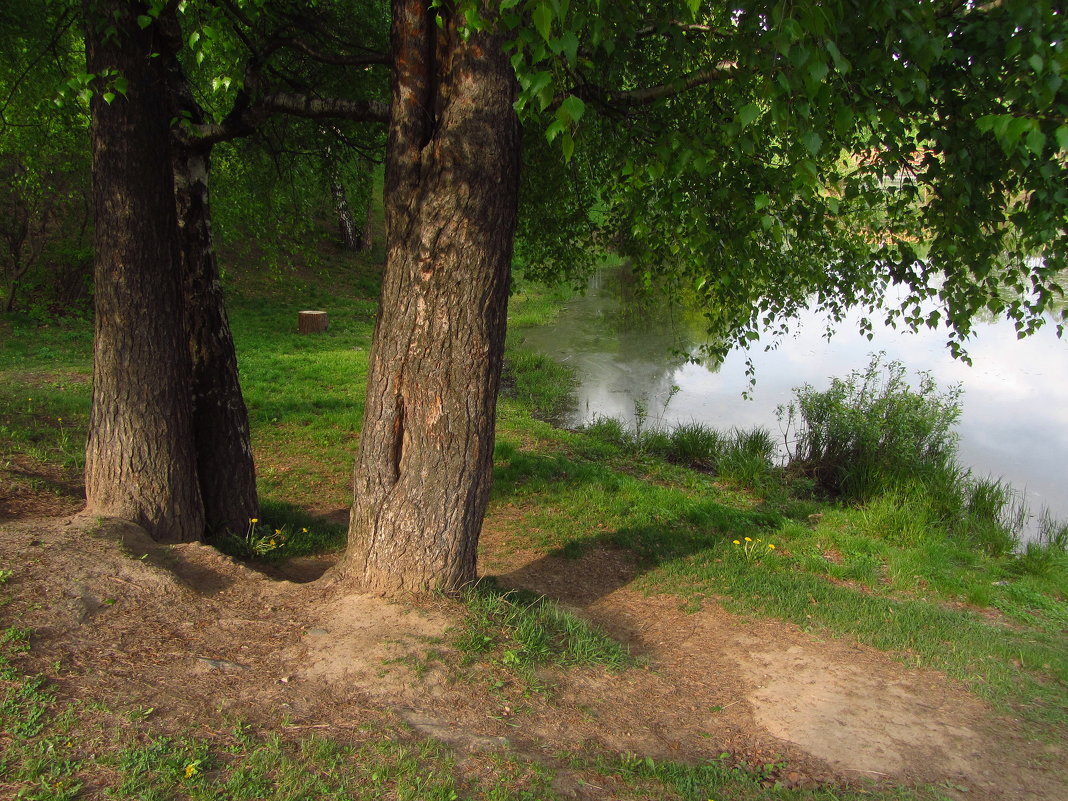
1015,404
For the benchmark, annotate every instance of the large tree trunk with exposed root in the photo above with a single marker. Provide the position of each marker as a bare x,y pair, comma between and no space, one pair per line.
140,460
424,466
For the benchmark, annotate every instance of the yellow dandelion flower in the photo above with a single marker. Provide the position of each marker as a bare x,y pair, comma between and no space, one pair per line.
254,520
304,531
737,543
192,769
748,539
771,546
278,531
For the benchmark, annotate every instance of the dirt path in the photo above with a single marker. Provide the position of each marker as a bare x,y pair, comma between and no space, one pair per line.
192,635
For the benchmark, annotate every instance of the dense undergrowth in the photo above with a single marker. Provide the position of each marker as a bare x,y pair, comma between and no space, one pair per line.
917,558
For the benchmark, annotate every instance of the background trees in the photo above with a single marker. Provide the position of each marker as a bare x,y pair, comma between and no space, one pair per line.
45,217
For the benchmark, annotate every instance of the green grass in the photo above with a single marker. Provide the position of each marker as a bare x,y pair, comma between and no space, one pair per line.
928,579
523,631
57,747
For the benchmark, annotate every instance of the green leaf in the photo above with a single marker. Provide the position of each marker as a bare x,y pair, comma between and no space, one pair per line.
569,44
812,142
840,62
567,145
1036,141
536,82
572,109
1036,62
1062,137
748,113
543,20
143,20
817,71
760,202
108,97
693,5
556,127
1015,129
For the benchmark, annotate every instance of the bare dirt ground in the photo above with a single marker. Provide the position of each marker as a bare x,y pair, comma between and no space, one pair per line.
192,635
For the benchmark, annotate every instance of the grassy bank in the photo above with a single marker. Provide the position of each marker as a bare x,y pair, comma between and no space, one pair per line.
706,516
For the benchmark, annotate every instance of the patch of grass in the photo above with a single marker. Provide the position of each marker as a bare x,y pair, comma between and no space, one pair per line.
1025,668
523,631
745,457
38,759
49,756
284,531
541,385
534,304
722,778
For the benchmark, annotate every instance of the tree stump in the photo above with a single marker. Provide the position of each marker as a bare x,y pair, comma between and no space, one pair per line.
312,322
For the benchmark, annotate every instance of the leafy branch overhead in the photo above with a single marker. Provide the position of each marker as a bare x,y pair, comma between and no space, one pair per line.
759,156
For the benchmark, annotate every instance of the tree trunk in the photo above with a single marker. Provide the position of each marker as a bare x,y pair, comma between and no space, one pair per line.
220,419
345,223
367,239
424,466
140,461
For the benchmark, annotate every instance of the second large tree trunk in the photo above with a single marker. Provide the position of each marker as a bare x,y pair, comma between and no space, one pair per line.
140,462
220,419
424,467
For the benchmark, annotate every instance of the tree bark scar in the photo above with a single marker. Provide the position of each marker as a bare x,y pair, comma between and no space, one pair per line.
398,438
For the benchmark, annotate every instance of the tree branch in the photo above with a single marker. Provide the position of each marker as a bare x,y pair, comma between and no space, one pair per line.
318,108
341,59
650,94
297,105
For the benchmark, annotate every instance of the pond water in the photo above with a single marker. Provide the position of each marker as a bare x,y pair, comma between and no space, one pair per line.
1014,423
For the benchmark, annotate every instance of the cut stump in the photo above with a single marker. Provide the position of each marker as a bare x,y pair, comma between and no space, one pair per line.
312,322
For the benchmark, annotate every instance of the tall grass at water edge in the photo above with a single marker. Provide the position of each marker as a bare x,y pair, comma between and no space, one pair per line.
874,441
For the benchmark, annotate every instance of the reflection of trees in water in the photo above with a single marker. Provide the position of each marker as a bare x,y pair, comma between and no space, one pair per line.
645,335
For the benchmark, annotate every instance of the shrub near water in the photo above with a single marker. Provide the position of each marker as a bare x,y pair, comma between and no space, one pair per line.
872,432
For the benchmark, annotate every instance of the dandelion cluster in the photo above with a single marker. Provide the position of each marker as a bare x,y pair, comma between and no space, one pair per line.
752,549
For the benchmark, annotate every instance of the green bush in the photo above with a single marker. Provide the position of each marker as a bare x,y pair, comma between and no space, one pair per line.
872,431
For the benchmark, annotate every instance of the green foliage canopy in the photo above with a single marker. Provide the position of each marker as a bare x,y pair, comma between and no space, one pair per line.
764,157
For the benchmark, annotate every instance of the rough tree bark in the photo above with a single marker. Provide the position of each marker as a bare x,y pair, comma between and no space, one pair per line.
424,466
345,223
222,441
140,460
